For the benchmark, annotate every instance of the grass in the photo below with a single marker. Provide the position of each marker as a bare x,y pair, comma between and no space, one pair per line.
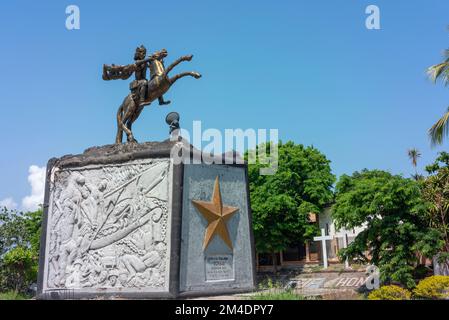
272,290
316,269
12,295
282,295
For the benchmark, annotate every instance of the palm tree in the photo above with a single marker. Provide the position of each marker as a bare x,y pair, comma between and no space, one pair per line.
441,128
414,155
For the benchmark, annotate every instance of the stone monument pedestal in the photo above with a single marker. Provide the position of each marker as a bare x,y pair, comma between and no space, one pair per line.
129,221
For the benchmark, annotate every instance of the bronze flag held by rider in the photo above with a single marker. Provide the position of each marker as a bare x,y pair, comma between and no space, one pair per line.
143,91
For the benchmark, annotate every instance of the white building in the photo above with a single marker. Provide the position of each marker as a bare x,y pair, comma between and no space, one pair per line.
310,252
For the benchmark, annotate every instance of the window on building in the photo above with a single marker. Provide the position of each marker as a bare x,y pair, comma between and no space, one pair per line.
294,253
266,259
314,247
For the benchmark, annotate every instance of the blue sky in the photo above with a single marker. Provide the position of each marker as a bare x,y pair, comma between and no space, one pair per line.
309,68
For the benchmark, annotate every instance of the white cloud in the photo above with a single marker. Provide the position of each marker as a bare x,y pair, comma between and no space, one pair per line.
8,203
36,178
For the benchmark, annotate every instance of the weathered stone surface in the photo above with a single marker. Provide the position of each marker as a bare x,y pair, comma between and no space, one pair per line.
112,226
108,221
234,267
108,227
117,153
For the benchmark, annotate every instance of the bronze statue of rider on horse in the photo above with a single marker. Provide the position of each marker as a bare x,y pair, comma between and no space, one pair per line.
143,91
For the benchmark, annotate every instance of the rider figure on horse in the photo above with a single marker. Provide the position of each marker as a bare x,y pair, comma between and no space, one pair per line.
139,86
143,91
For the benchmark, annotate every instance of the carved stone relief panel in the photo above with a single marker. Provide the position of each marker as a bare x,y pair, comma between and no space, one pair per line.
109,227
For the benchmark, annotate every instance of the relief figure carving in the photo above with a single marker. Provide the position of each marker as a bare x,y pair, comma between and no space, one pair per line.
107,226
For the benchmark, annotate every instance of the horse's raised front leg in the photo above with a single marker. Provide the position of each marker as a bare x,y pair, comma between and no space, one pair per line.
196,75
174,64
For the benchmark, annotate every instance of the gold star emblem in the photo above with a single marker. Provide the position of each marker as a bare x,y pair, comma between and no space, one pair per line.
217,215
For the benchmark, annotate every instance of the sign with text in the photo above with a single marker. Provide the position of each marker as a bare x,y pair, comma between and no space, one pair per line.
219,267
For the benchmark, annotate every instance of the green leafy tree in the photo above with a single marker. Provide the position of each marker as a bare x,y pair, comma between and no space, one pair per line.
19,249
414,156
19,268
441,162
436,192
440,72
281,203
394,216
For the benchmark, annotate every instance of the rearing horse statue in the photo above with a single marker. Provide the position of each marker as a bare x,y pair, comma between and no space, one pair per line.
153,89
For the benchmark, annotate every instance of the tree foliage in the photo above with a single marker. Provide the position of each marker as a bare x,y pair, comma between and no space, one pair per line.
390,292
394,214
436,192
19,249
414,155
432,288
281,203
437,72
